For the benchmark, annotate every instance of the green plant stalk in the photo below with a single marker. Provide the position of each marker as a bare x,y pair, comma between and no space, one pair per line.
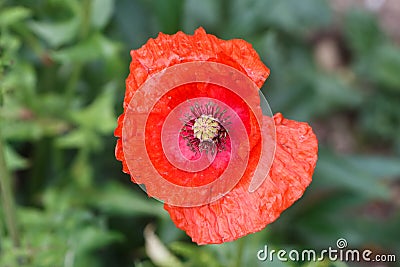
76,72
6,192
85,19
8,199
239,252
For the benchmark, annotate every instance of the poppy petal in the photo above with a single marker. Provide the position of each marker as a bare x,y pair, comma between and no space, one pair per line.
240,212
249,206
168,50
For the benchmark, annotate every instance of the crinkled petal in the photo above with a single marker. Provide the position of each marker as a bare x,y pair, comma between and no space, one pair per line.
168,50
240,212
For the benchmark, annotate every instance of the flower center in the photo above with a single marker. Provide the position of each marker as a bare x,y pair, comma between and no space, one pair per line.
205,128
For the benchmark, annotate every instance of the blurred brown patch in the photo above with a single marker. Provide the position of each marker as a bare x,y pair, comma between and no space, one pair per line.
388,12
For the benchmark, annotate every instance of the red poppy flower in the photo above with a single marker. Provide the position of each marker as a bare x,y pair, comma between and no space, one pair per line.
201,146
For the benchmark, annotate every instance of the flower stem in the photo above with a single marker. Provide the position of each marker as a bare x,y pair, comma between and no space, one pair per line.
239,252
8,199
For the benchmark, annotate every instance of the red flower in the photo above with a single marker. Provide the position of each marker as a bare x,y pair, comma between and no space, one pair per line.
155,147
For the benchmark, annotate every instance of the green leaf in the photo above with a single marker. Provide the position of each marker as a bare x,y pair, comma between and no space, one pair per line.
93,237
56,33
135,22
386,66
293,17
194,255
94,120
378,166
21,130
13,160
99,116
62,24
12,15
362,31
201,13
117,199
332,93
146,263
73,139
336,170
95,47
380,118
22,86
168,14
101,12
82,170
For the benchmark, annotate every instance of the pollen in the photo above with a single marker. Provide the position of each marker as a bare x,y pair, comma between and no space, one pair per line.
206,128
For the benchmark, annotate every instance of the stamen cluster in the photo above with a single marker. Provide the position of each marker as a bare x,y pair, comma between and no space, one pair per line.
203,128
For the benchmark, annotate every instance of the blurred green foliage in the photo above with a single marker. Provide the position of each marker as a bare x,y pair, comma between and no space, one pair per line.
62,71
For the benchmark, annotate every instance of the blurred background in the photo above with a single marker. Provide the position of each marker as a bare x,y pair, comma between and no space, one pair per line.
63,64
